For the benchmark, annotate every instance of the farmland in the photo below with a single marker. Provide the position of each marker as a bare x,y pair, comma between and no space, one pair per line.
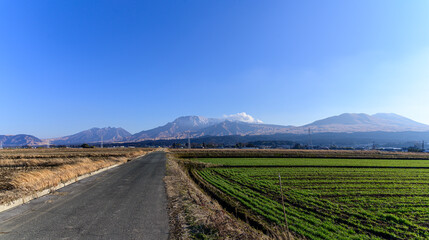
25,171
293,162
325,198
294,153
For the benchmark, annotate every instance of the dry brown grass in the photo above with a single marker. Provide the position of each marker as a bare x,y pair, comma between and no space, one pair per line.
294,153
194,215
25,171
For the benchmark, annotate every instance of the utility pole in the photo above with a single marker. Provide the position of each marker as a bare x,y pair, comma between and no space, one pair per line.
423,145
310,142
47,145
189,140
1,144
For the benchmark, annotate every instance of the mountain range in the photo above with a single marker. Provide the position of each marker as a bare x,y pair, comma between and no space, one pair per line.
107,134
240,124
360,122
197,126
18,140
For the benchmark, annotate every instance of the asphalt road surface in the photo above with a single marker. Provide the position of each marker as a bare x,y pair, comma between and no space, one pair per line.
126,202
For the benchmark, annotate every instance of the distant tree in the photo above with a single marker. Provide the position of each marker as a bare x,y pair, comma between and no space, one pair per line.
85,145
239,145
414,149
250,145
211,145
298,146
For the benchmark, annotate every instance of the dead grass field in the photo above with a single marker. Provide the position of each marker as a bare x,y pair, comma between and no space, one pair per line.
25,171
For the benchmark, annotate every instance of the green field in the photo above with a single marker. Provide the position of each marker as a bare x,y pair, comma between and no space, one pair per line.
347,199
316,162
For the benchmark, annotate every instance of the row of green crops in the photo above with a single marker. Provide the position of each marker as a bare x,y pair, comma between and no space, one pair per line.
334,202
316,162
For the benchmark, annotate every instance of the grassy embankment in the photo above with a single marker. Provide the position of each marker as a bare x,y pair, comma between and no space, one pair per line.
326,198
25,171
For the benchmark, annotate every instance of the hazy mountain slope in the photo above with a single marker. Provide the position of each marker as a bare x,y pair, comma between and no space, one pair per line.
182,127
19,140
239,124
345,119
352,122
109,134
179,128
400,121
226,128
357,139
196,126
244,124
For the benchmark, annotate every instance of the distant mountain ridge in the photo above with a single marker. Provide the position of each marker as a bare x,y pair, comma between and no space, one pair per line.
19,140
361,122
240,124
198,126
363,140
93,135
179,128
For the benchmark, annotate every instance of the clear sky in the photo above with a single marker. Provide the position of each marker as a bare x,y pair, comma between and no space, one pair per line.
66,66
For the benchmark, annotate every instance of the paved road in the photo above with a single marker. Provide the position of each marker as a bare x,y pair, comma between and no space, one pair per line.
127,202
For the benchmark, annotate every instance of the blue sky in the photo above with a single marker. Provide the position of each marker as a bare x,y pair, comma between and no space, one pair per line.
66,66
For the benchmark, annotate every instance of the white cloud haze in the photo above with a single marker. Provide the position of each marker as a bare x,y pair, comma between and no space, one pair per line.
242,117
